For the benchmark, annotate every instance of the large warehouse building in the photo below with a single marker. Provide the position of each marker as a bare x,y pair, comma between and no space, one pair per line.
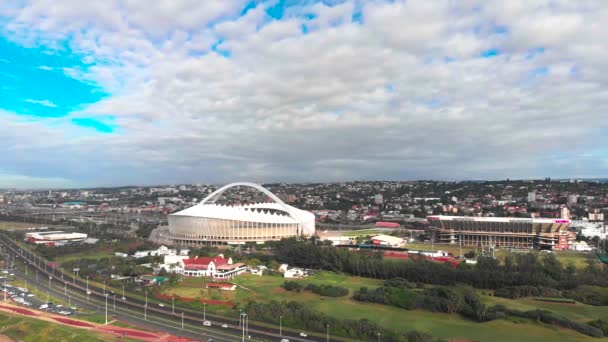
502,232
210,223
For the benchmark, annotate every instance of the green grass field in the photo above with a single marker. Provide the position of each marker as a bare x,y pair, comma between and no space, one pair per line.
12,225
362,232
19,328
577,312
86,255
452,326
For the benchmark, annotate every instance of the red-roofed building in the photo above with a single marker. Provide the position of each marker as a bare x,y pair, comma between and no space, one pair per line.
216,267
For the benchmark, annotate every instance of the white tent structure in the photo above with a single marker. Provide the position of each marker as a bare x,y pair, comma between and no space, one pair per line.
210,223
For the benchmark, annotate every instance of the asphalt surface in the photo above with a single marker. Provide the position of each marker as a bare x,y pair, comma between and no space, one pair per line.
134,310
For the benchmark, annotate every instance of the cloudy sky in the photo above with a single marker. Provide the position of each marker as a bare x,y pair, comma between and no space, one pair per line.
129,92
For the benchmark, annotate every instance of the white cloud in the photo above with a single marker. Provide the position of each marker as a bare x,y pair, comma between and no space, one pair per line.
45,103
404,94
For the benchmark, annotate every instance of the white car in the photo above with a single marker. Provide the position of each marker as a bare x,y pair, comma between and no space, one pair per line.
284,340
161,305
303,334
224,325
30,295
207,323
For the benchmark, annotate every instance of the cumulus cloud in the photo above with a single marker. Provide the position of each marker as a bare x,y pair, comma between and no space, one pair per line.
202,93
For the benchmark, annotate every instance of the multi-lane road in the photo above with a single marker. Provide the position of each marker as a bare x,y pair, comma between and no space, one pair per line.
183,322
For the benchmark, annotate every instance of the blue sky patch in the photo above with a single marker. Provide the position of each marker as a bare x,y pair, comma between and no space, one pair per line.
34,81
277,10
532,53
216,47
96,124
539,72
490,53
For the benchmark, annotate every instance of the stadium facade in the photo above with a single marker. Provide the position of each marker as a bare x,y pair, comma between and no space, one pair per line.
507,232
209,223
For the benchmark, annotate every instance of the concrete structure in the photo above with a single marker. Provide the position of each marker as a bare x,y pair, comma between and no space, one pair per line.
532,196
502,232
221,286
209,223
596,215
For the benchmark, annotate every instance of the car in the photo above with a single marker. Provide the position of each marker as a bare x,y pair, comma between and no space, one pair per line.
207,323
224,325
30,295
161,305
58,306
284,340
303,334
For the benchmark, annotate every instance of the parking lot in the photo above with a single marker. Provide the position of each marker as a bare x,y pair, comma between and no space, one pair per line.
24,297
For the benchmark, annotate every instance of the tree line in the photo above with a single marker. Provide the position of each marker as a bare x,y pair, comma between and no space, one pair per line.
517,270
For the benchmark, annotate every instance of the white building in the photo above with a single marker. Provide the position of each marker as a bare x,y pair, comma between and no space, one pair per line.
295,273
161,251
55,238
532,196
387,240
581,246
217,267
590,229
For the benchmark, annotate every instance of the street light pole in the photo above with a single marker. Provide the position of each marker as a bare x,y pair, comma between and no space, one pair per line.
114,297
50,281
182,320
243,327
106,309
204,311
281,326
146,308
173,305
123,292
378,337
65,289
327,334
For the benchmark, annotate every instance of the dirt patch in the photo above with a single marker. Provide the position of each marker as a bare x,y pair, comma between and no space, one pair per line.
279,290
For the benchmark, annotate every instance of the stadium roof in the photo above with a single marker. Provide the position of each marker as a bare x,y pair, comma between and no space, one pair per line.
496,219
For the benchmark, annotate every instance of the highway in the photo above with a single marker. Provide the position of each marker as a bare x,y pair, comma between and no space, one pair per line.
134,310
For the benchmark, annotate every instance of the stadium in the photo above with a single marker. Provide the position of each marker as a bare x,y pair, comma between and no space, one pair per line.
508,232
208,223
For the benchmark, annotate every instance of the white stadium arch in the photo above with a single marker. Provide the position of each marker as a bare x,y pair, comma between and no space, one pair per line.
210,223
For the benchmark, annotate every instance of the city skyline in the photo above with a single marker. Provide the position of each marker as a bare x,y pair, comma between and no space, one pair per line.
105,94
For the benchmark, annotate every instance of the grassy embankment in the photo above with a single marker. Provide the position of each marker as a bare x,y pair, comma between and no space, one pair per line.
19,328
